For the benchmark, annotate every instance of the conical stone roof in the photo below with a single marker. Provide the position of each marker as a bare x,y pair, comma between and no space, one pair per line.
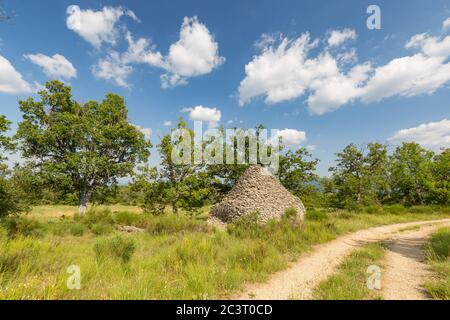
257,190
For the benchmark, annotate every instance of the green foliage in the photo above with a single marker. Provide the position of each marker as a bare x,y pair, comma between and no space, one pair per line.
411,174
290,213
171,223
359,178
126,218
297,172
21,226
171,263
87,145
395,209
11,200
374,209
94,216
6,143
441,174
439,246
77,229
439,258
155,191
101,228
245,226
316,215
118,247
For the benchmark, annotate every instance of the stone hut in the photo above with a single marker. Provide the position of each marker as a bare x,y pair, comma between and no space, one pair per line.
256,190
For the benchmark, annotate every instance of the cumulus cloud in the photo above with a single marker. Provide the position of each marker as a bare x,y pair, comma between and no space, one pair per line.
167,123
446,24
338,37
146,131
11,81
285,70
432,135
56,66
280,72
407,76
97,27
112,68
195,53
291,137
200,113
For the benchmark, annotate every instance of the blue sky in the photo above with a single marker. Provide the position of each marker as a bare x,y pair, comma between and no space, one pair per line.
310,68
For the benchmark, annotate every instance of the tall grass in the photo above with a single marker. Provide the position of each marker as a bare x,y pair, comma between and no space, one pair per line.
177,257
438,253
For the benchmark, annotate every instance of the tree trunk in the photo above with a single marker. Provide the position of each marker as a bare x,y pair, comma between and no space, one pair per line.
84,199
174,208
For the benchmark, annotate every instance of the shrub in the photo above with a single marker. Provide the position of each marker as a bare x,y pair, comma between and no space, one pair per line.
438,254
94,216
116,247
128,218
21,226
77,229
172,223
101,228
440,244
421,209
290,213
374,209
395,209
316,215
245,226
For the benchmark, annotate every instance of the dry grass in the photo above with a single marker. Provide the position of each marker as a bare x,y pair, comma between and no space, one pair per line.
178,257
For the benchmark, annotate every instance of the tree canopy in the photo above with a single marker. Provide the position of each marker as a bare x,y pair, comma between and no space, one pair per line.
89,144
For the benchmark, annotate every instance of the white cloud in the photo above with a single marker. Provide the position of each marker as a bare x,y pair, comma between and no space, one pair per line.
284,71
407,76
195,53
11,81
141,51
56,66
292,137
347,57
432,135
97,27
338,37
112,68
167,123
429,45
446,24
201,113
146,131
280,73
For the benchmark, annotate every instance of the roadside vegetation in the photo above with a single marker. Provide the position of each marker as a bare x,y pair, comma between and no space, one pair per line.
350,280
173,257
438,253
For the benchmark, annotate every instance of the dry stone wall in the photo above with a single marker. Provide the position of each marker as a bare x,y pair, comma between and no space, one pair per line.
257,190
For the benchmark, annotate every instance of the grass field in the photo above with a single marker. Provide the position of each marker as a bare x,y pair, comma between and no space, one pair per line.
439,258
175,257
350,280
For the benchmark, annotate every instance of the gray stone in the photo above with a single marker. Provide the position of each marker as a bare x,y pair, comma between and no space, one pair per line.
257,190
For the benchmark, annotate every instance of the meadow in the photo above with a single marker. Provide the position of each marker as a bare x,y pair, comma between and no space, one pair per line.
438,252
171,257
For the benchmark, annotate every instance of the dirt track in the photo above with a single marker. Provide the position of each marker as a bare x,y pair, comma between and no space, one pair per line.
401,279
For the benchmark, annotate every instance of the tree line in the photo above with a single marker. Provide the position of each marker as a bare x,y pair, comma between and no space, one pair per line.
76,152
